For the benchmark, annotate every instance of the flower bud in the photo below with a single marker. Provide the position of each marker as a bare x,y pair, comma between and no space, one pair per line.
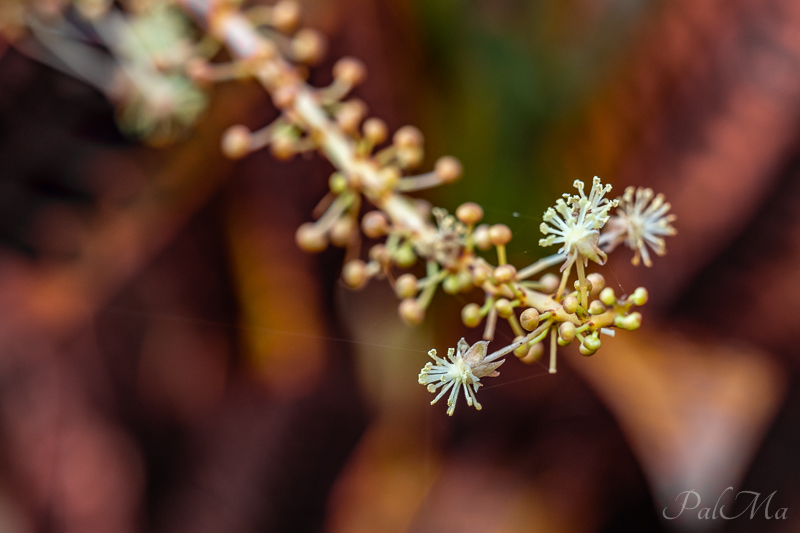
529,319
350,70
350,115
375,224
411,312
549,282
310,238
286,15
469,213
534,353
629,322
481,237
480,273
409,157
342,231
592,342
337,183
282,147
354,273
570,304
408,137
406,286
448,169
451,284
375,130
566,332
499,234
639,296
504,308
380,253
577,285
308,46
471,315
607,296
585,350
236,142
596,308
405,257
504,273
598,282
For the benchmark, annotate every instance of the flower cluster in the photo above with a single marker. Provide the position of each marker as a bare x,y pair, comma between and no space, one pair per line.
157,71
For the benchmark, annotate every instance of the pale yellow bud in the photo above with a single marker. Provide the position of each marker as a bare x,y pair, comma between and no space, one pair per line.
236,142
310,238
592,343
380,253
308,46
570,304
481,237
405,257
534,354
337,183
350,115
406,286
451,284
598,282
354,273
549,282
448,169
607,296
630,322
408,137
504,308
471,315
283,147
469,213
499,234
596,308
286,15
411,312
529,319
375,130
350,70
566,332
342,231
639,296
504,273
577,285
375,224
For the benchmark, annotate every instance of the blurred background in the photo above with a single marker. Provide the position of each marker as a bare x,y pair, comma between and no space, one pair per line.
171,362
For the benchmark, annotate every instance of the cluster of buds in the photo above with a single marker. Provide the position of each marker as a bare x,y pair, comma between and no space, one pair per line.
375,172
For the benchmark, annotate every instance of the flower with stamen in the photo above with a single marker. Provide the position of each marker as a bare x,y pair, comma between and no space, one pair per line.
575,222
640,221
464,369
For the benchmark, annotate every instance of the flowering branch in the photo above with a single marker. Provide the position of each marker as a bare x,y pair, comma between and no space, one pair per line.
264,45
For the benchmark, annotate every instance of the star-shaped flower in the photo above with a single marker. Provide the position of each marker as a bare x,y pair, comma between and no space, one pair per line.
463,370
639,222
575,222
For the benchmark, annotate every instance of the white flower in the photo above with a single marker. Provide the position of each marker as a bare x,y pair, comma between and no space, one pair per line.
578,225
639,223
463,370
